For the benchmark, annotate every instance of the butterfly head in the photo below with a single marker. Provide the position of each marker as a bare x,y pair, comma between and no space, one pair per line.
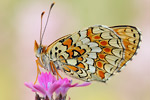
39,49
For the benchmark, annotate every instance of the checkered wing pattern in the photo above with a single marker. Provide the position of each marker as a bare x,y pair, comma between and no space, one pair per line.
95,53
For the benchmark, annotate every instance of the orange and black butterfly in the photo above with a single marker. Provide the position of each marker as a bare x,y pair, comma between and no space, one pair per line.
91,54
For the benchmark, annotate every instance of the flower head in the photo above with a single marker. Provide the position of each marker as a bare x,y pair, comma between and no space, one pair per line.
49,85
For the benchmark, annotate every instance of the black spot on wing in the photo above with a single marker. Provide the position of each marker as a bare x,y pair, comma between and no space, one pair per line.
55,54
59,51
56,48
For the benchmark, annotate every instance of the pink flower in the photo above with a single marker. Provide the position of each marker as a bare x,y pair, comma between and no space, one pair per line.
49,85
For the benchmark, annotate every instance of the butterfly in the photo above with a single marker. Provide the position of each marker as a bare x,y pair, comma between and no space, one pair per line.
92,54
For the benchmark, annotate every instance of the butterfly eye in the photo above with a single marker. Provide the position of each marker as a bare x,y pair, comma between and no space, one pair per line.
39,50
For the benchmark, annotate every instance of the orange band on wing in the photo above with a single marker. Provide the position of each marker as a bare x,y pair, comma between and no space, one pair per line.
72,68
67,42
81,65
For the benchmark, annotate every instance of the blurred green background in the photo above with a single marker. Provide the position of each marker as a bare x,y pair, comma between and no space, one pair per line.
20,26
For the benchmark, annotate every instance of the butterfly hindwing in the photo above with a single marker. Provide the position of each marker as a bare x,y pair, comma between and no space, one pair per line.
131,38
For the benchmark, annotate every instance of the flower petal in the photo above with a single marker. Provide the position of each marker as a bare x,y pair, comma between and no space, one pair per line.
41,80
84,84
74,85
54,87
30,85
40,89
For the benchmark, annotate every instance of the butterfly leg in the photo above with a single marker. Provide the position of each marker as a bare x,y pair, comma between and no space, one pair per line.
52,69
38,69
53,66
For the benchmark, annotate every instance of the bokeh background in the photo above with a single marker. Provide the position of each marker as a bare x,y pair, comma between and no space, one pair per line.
20,26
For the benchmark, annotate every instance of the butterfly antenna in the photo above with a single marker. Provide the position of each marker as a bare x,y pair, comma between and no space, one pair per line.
41,27
47,21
